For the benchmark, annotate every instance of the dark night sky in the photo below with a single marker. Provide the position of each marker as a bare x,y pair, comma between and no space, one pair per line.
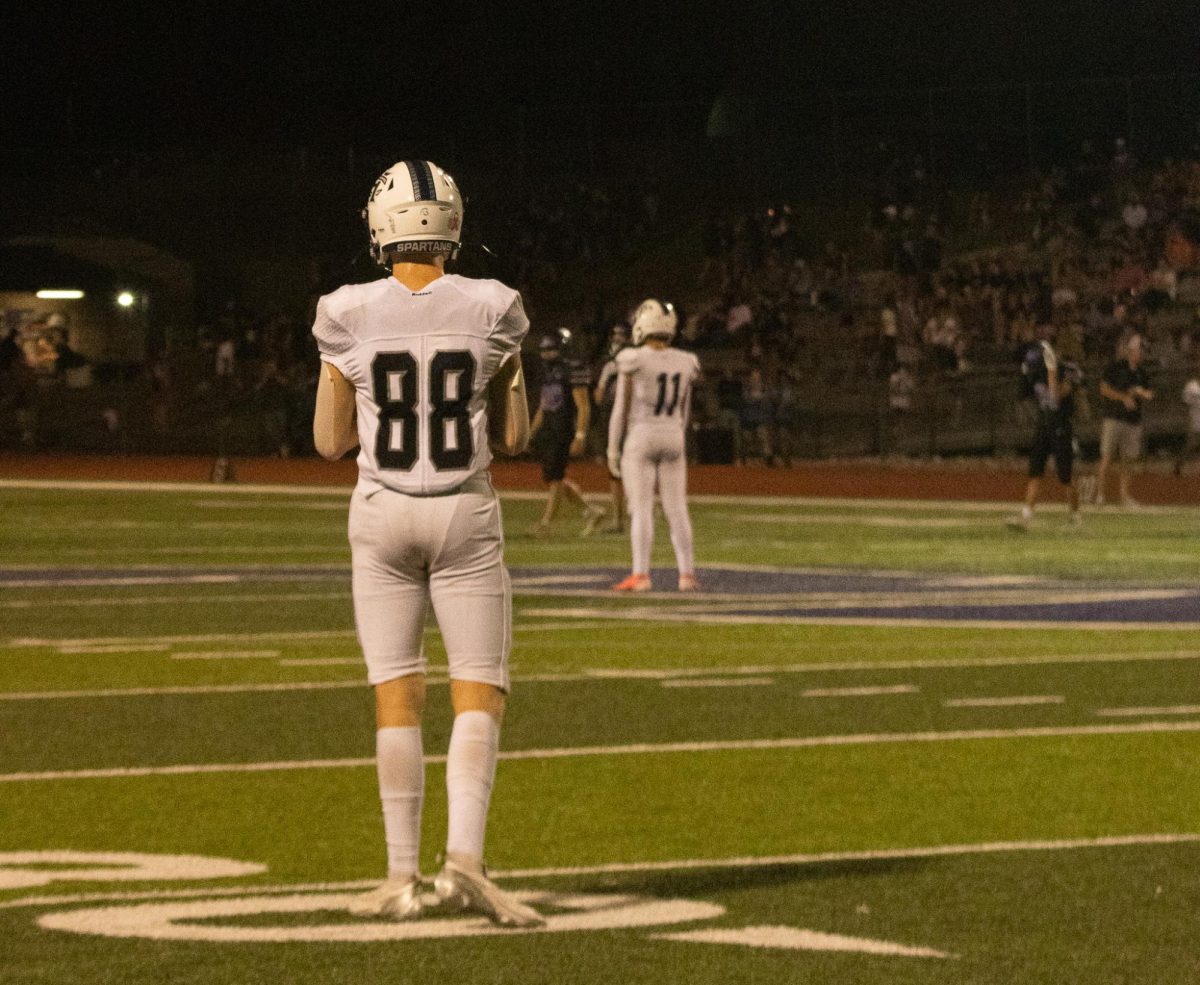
205,71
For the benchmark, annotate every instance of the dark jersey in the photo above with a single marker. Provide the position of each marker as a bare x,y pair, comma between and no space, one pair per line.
561,376
1069,377
1121,377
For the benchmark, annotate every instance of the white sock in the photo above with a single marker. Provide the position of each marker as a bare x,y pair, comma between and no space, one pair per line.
470,770
1027,512
400,761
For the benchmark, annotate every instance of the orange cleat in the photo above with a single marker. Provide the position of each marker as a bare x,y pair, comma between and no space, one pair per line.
634,583
688,583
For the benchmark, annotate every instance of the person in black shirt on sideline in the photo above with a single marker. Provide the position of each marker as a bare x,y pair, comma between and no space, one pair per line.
1125,387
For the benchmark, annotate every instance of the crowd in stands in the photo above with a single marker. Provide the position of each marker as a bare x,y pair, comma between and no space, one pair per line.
566,223
923,286
933,285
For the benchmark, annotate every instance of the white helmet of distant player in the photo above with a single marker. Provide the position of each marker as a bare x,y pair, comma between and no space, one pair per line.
654,317
414,206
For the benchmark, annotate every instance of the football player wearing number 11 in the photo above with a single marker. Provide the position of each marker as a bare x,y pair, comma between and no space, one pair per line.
646,439
422,371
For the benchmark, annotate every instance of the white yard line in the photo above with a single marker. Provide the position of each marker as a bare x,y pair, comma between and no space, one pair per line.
219,549
635,749
119,581
950,663
147,692
321,662
119,648
292,635
636,868
852,519
920,595
217,504
1141,712
686,615
215,599
859,692
344,491
634,674
688,682
1014,701
225,655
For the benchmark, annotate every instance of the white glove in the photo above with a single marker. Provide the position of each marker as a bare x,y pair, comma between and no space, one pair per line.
614,464
1049,358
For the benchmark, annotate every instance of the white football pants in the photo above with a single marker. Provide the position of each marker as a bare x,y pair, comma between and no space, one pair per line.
409,551
656,454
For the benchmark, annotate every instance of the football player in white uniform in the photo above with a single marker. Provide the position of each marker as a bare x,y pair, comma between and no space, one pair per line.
422,371
646,439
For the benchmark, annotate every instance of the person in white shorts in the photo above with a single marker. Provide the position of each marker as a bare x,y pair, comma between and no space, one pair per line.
1125,388
1191,398
646,439
422,371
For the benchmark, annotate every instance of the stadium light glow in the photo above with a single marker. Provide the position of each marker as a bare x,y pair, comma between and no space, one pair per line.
125,299
60,295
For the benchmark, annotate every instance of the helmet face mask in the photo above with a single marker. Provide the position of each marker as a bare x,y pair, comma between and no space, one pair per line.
654,318
414,208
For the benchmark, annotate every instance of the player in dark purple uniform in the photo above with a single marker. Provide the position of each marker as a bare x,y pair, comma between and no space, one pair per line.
560,429
1053,385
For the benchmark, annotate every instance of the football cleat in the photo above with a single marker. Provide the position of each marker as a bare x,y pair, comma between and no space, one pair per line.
473,892
1018,523
688,583
591,519
396,899
634,583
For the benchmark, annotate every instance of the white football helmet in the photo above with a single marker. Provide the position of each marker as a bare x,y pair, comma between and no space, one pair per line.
653,317
413,202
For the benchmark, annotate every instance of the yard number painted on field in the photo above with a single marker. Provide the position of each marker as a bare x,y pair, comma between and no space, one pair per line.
194,920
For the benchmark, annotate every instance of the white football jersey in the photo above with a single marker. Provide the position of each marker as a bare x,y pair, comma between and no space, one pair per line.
661,384
420,363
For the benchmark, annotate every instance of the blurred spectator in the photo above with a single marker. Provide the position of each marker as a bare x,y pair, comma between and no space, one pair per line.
226,358
783,416
902,387
1191,400
754,420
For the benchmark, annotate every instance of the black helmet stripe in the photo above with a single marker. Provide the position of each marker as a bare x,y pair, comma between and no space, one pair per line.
421,175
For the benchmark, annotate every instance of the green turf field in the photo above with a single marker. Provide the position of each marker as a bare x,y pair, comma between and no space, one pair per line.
888,743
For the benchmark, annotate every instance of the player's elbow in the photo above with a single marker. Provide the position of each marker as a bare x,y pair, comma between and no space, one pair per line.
329,449
332,446
514,439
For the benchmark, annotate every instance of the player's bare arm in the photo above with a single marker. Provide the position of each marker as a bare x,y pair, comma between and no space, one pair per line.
616,424
583,416
508,409
1126,397
335,430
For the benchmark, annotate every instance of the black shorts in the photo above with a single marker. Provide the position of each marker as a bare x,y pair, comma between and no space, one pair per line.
555,450
1052,439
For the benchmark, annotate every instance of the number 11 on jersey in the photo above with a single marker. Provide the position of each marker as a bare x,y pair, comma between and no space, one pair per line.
669,409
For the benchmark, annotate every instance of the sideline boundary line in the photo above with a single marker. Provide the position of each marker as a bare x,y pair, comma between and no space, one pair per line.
634,749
